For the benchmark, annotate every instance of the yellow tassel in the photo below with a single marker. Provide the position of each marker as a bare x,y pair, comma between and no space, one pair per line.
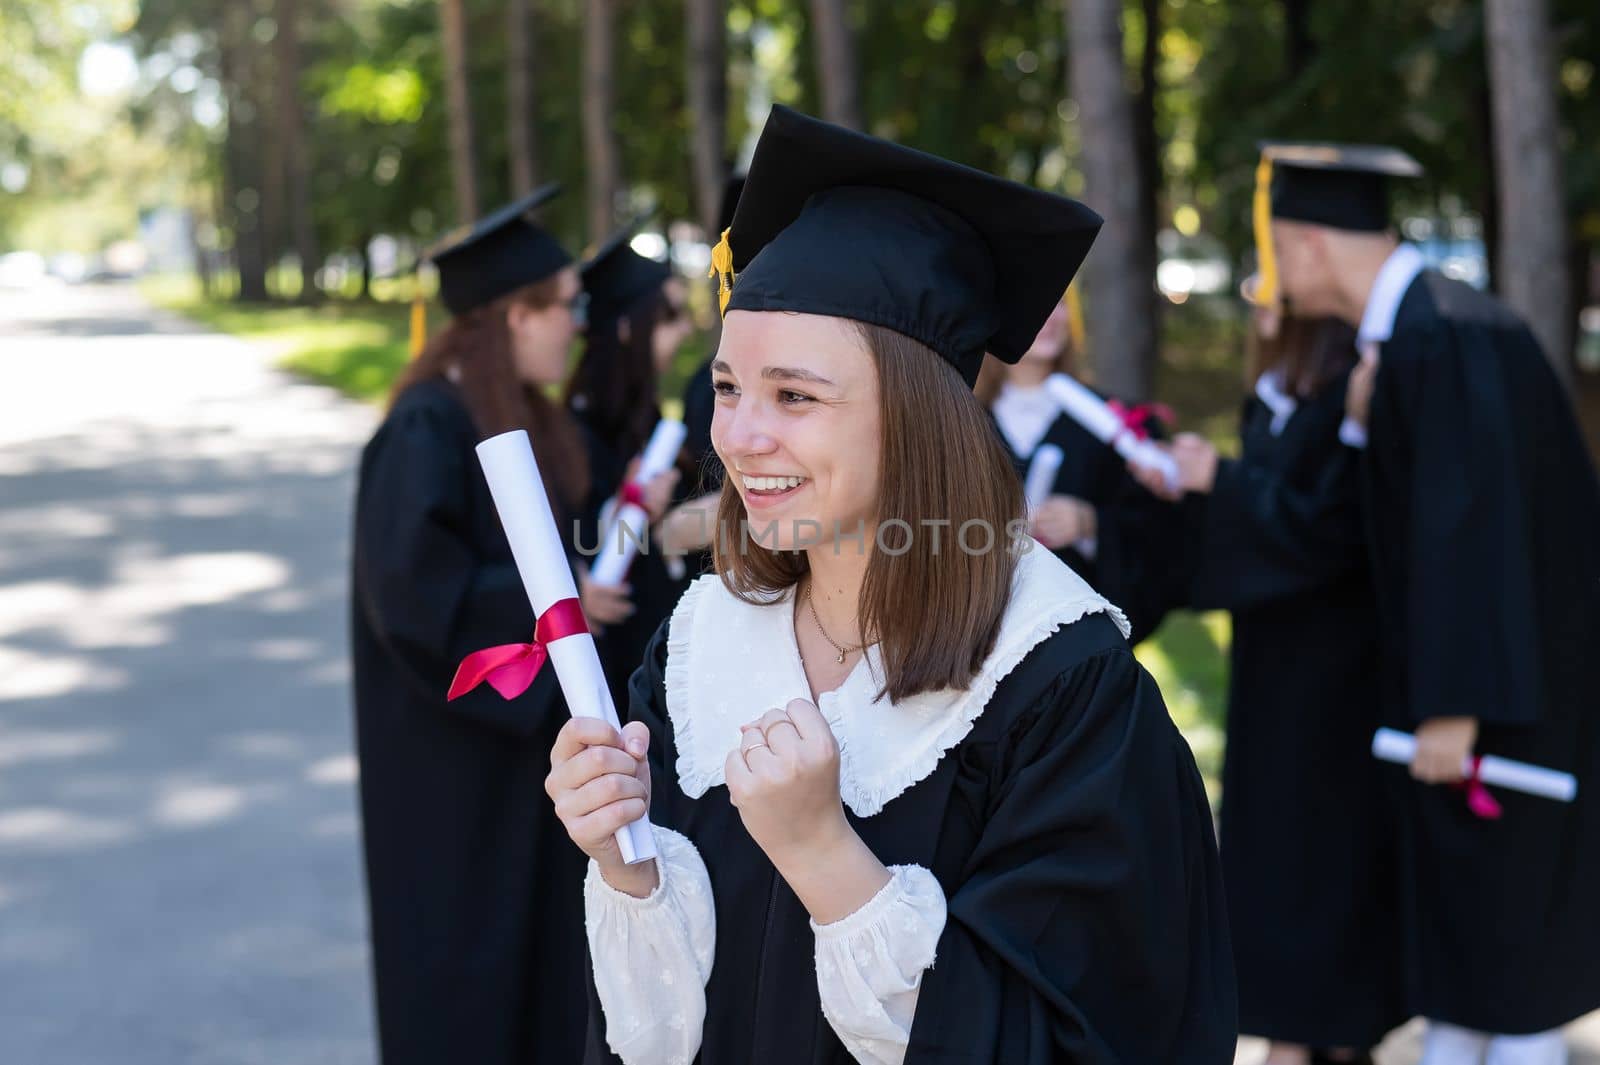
722,270
1266,292
419,325
1075,326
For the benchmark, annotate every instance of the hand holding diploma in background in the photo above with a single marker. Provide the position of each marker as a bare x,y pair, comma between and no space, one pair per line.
657,491
1444,745
603,604
1062,520
1358,393
783,778
599,781
1196,459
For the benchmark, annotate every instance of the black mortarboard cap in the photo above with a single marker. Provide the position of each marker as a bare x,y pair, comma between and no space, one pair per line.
497,255
730,200
1345,186
832,221
616,277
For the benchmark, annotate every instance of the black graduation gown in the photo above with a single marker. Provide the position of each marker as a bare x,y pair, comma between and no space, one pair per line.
475,891
652,588
1484,528
1307,851
1071,835
1139,554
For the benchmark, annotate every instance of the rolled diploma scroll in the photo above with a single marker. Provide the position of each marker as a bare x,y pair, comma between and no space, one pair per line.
519,497
1390,745
1091,412
621,541
1042,470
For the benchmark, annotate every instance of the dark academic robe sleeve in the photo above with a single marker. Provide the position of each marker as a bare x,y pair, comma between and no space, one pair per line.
428,591
1266,536
1088,923
1468,599
1140,557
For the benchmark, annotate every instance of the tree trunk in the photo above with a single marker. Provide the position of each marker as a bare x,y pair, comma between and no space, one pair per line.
463,151
1489,196
522,108
601,155
1533,216
293,149
1151,179
708,106
836,63
1122,335
241,156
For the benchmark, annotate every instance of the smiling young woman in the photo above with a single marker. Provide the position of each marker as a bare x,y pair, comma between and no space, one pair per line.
891,729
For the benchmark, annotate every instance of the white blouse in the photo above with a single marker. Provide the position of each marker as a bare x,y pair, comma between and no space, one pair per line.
1024,415
652,956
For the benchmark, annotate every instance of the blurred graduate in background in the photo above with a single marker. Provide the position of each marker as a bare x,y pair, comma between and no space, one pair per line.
475,893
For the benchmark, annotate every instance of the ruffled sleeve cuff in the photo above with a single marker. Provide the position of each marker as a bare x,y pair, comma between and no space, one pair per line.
652,956
870,964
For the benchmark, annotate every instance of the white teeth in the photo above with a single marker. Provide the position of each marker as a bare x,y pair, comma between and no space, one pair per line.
772,484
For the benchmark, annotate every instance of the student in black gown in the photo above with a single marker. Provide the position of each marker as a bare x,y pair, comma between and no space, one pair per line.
1483,515
1306,844
1098,519
475,895
637,322
868,748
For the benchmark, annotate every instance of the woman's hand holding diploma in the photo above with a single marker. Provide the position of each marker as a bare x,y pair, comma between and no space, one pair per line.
599,781
784,780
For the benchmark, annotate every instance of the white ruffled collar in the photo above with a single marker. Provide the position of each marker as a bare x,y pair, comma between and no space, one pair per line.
729,661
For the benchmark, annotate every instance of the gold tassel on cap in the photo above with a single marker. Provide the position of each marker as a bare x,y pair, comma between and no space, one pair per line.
1075,326
722,270
419,324
1266,290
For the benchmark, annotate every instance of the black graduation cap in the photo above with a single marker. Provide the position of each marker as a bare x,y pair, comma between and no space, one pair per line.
616,276
498,254
832,221
730,200
1344,186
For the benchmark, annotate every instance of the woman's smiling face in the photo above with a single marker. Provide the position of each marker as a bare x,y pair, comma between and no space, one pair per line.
797,424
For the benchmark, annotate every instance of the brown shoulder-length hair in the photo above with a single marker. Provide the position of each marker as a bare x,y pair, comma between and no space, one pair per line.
941,462
1308,352
474,351
615,381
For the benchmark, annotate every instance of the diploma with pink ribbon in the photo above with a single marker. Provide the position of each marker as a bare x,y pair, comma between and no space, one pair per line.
1114,426
561,635
1391,745
620,543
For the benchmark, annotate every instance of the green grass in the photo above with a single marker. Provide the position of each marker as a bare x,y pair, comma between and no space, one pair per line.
1188,657
358,347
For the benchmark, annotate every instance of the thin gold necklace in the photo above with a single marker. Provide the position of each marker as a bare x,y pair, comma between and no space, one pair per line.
839,658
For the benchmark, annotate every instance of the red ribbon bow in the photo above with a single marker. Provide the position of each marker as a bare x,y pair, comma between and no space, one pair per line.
510,668
1480,800
1136,420
631,493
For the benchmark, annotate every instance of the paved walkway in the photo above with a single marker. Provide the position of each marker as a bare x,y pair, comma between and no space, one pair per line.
179,869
